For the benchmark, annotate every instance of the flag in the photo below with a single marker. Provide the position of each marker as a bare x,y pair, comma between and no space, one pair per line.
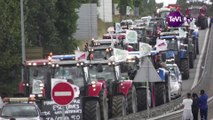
161,45
81,56
145,49
131,36
120,55
118,28
182,33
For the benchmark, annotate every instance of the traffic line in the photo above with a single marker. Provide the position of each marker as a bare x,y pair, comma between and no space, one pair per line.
62,93
200,60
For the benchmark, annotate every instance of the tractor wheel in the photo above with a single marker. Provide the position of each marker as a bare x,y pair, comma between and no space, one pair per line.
191,60
197,47
160,93
184,67
92,110
103,105
203,23
141,98
132,100
119,106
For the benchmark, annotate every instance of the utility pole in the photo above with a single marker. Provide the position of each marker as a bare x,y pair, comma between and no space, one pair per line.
22,37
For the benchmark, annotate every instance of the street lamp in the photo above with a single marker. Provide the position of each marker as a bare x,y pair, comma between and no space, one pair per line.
22,37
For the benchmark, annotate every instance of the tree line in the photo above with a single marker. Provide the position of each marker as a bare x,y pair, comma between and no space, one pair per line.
49,24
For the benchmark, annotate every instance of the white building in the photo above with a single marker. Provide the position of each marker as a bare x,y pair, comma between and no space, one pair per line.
105,10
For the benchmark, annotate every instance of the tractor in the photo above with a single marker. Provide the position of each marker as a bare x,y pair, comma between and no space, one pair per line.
198,13
177,50
121,92
100,52
36,72
139,69
93,94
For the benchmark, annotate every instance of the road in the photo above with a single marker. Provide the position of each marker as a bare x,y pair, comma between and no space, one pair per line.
205,82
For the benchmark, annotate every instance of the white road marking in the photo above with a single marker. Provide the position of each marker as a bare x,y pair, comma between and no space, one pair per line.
200,60
63,93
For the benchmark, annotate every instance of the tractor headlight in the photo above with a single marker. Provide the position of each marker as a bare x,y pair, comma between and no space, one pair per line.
93,82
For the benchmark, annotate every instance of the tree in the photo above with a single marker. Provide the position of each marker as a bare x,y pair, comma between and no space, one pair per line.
10,44
40,25
66,23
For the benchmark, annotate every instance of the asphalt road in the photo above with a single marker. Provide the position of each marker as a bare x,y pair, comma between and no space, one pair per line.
187,84
206,80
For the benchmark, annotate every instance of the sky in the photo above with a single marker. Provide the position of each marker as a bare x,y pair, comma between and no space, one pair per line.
166,2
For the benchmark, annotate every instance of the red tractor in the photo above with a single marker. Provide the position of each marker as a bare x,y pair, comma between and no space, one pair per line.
99,87
199,14
93,94
37,75
35,78
121,91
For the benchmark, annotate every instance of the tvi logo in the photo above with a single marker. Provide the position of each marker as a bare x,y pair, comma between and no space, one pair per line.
175,19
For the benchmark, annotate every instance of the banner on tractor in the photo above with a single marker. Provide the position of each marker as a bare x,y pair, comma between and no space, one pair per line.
145,49
120,55
118,28
161,45
131,36
81,56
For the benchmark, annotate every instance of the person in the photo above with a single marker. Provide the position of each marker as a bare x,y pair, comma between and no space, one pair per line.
202,101
1,102
195,106
187,110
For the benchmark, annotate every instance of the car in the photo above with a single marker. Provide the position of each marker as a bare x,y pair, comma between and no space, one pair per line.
175,87
20,109
175,80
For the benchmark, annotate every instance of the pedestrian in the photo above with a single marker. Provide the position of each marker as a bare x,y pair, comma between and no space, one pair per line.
195,106
1,102
187,110
202,101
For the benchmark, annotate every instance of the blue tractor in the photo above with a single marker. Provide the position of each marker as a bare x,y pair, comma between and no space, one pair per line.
177,51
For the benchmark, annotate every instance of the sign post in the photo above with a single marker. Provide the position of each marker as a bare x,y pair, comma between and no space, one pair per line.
63,94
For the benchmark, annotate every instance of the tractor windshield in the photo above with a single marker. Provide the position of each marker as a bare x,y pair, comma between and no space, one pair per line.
194,13
105,72
172,44
73,74
37,73
99,54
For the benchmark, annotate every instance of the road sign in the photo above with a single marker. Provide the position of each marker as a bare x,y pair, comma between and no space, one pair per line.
62,93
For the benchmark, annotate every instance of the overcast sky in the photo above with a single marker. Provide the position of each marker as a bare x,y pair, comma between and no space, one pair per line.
166,2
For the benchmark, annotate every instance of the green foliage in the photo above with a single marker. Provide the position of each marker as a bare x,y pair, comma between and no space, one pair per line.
66,23
145,7
49,24
9,42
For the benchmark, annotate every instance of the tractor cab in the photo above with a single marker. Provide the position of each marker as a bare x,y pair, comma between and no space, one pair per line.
100,52
35,78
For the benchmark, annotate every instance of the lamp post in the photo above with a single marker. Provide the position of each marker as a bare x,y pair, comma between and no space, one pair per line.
22,37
